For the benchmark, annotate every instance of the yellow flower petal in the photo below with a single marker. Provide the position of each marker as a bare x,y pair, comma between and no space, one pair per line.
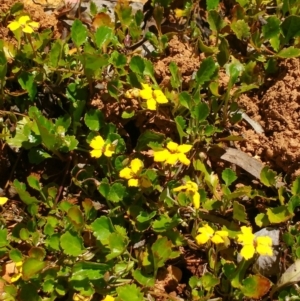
202,239
19,263
146,92
136,166
183,159
34,24
217,239
172,146
14,26
161,156
97,143
109,150
126,173
151,104
160,96
109,298
264,245
23,20
133,183
196,200
179,13
15,277
172,159
3,200
206,229
27,29
180,188
247,251
96,153
191,186
184,148
247,237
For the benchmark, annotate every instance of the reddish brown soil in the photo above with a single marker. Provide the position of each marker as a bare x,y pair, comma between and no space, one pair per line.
277,110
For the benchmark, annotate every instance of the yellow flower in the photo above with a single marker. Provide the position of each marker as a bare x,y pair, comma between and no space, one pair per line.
191,189
179,13
262,244
24,23
132,93
207,233
17,275
133,174
109,298
173,153
99,148
153,97
3,200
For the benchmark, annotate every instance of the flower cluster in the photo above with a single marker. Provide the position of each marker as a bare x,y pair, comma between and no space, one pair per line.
133,174
262,244
173,153
251,244
152,97
100,147
25,23
191,190
207,233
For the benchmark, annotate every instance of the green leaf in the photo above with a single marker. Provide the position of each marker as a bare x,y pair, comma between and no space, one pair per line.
241,29
33,182
137,64
15,255
290,28
93,63
272,28
94,119
293,203
279,214
128,114
215,21
102,228
161,251
119,60
114,87
55,53
228,176
89,270
200,111
180,125
93,8
17,7
76,217
185,99
32,267
296,186
116,192
261,220
3,238
78,33
212,4
209,281
175,76
103,35
147,137
255,286
129,292
23,194
28,83
71,243
3,66
268,176
239,212
143,279
224,53
117,245
289,52
206,71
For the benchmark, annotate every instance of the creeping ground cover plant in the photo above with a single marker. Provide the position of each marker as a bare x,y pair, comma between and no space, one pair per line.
124,168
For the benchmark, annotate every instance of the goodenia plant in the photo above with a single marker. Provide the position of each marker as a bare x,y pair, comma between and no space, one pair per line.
131,201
